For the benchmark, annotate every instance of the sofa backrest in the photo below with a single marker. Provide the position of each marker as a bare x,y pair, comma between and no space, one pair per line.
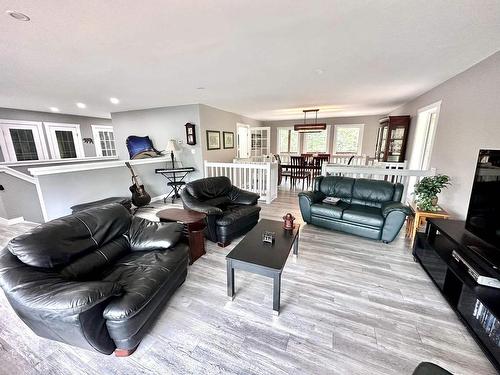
209,188
61,241
359,190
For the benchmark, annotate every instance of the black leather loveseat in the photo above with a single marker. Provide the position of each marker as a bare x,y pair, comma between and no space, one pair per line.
95,279
368,208
230,211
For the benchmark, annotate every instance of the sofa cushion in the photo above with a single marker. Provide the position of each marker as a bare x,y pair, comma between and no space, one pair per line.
146,235
208,188
235,214
336,186
61,241
89,266
372,192
326,210
141,275
364,215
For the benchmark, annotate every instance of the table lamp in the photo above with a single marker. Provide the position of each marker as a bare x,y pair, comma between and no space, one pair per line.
171,147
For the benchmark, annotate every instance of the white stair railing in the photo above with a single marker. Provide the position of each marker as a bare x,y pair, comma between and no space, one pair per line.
376,172
260,178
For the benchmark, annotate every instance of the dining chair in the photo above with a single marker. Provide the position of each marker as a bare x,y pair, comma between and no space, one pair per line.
299,171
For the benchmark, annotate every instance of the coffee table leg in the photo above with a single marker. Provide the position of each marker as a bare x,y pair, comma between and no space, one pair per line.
276,293
296,246
230,279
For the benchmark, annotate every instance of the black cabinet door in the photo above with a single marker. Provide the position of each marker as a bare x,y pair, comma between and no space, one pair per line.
430,260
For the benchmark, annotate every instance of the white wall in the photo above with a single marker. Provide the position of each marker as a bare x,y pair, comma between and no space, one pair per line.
369,136
161,125
468,121
85,123
216,119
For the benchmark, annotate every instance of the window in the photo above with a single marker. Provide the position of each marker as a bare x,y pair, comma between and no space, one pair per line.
288,141
315,142
22,141
65,141
348,139
104,140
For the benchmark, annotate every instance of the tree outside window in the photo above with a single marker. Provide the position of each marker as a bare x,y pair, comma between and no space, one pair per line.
288,141
315,142
348,139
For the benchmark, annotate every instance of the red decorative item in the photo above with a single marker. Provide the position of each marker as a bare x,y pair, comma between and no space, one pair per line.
288,221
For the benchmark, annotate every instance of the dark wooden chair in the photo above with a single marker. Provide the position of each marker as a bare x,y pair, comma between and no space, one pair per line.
299,171
318,163
307,157
282,173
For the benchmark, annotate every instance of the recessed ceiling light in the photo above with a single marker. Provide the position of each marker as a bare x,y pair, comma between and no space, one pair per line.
54,109
18,15
81,105
319,71
200,88
114,100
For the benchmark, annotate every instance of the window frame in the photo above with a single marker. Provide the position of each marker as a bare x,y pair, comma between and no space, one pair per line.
7,145
327,141
50,131
97,142
289,129
361,128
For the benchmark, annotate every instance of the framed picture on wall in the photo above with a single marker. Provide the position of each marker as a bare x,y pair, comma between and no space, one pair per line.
228,139
190,134
213,140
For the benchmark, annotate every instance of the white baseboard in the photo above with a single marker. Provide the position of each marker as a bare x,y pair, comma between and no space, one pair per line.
13,221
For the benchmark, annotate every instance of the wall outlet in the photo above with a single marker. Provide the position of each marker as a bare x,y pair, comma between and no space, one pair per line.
193,151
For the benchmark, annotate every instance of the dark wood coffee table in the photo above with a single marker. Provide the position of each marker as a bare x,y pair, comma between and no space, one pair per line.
253,255
194,224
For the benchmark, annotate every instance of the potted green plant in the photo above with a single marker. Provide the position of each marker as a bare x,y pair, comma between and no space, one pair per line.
427,189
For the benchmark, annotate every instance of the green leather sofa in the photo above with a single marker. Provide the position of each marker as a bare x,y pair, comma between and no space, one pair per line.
367,208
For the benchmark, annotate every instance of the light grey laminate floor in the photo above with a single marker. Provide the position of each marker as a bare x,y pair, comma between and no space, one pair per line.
349,306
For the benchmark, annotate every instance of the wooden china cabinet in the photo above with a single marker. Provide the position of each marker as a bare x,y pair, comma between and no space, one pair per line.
392,138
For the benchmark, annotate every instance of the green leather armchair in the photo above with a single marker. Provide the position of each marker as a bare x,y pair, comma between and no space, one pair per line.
368,208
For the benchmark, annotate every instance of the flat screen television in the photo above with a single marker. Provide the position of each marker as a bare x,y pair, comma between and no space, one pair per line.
483,217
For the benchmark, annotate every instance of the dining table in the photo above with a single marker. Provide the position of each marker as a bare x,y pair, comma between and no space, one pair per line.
314,169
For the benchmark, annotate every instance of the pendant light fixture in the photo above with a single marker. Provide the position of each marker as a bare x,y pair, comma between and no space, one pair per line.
310,128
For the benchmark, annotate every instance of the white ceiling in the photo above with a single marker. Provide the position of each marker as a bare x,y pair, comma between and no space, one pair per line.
259,58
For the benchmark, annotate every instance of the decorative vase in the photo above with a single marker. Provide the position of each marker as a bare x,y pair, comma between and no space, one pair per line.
288,221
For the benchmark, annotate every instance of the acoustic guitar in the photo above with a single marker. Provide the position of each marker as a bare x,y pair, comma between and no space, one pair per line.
139,195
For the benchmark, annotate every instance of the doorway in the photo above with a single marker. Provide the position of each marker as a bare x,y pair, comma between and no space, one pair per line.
242,140
425,131
423,142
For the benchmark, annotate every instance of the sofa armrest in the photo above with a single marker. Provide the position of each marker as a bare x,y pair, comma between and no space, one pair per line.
389,207
44,292
306,199
312,196
243,197
146,235
195,205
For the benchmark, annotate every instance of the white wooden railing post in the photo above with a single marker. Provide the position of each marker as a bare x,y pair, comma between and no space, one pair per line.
258,177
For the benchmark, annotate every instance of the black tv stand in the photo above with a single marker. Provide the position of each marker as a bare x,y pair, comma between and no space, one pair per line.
477,306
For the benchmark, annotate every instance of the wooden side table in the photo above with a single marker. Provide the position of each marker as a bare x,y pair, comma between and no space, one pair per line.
420,217
194,224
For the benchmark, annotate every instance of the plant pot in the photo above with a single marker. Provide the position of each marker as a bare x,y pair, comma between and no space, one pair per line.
434,201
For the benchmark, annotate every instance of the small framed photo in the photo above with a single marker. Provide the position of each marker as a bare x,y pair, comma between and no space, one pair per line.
228,139
213,140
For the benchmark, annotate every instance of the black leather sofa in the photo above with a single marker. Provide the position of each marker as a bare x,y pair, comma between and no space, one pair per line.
368,208
96,279
231,212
